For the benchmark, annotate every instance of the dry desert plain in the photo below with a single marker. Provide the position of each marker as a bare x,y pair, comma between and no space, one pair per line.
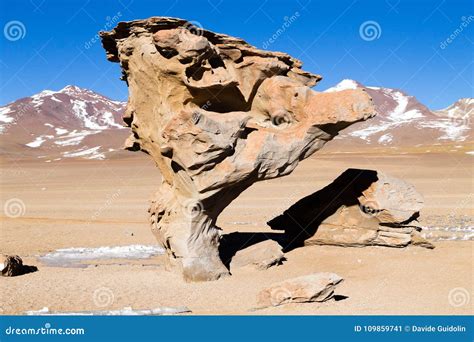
77,203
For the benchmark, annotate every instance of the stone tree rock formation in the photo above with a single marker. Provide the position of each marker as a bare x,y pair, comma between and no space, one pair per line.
217,115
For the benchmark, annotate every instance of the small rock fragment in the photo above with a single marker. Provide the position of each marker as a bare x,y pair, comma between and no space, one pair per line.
317,287
261,256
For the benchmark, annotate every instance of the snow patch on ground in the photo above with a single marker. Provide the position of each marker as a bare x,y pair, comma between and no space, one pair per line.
126,311
4,117
80,111
60,131
38,99
73,138
385,139
108,119
371,130
39,141
91,153
451,130
72,256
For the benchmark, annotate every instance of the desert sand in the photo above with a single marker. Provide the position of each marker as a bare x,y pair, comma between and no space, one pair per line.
103,203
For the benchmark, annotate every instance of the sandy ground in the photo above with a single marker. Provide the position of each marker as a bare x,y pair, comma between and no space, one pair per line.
104,203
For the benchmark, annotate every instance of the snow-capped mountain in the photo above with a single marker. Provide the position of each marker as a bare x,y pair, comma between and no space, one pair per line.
79,123
402,121
71,122
461,109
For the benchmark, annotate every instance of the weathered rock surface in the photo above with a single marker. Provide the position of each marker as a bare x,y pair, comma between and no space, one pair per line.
359,208
13,266
260,256
391,200
217,115
317,287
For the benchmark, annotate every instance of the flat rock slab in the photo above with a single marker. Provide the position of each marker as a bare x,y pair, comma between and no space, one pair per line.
261,256
317,287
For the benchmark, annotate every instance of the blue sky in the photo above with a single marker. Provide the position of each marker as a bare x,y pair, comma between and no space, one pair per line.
54,45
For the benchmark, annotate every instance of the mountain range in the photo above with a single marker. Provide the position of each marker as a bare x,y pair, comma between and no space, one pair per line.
69,123
403,122
79,123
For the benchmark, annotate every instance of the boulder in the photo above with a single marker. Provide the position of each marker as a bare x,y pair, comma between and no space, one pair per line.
217,114
260,256
317,287
13,266
359,208
392,200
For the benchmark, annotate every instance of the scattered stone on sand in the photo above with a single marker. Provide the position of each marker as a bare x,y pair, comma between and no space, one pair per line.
13,266
359,208
217,114
317,287
261,256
